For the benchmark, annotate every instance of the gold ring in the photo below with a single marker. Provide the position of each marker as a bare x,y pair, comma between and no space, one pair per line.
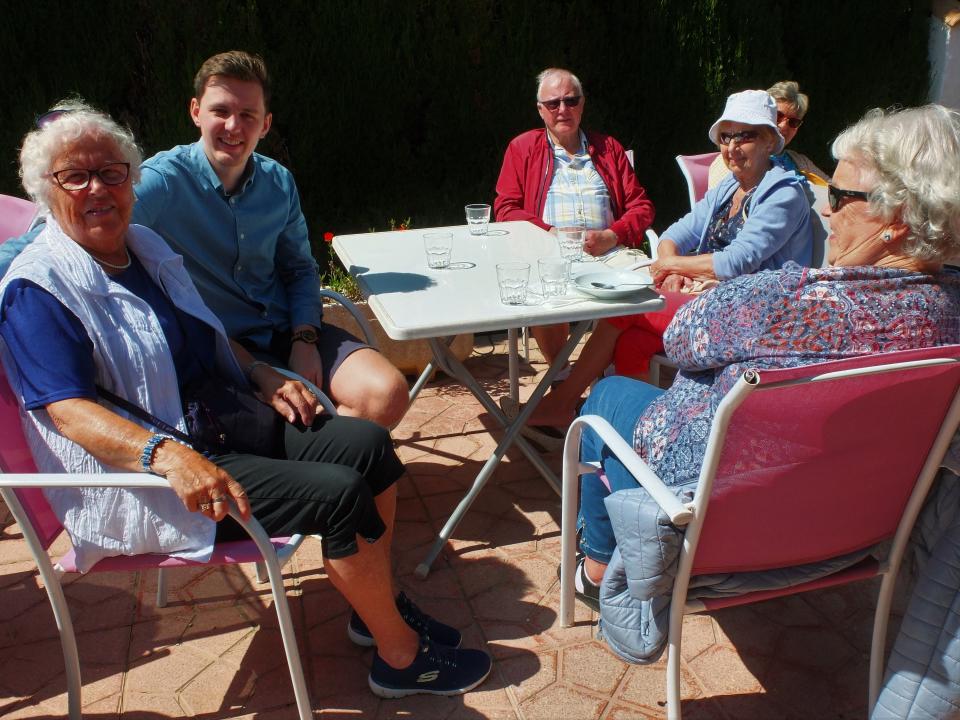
219,499
205,506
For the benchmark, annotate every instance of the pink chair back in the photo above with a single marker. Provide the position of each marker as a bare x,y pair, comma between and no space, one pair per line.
814,470
696,169
15,457
15,216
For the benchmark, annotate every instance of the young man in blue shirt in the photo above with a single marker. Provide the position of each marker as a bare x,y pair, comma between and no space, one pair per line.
235,217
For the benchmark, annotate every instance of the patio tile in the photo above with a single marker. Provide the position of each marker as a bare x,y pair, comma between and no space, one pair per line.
560,702
592,666
529,673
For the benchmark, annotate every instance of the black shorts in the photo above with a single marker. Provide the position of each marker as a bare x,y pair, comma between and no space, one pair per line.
324,484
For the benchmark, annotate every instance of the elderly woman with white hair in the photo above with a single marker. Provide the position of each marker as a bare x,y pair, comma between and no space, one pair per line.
792,107
894,212
119,366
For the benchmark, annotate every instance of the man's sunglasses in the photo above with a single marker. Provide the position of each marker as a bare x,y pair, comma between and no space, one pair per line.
554,105
793,122
835,196
738,138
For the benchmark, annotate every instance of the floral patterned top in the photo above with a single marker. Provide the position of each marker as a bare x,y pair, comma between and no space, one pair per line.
724,229
784,318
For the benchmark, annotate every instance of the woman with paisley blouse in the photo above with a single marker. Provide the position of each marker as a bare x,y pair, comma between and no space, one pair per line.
894,212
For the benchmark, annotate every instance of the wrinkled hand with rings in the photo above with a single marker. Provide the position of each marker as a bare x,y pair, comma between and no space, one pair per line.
201,485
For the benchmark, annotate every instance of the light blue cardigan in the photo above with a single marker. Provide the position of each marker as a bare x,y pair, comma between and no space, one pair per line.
778,226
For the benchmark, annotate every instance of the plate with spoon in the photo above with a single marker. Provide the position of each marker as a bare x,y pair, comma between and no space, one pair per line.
611,284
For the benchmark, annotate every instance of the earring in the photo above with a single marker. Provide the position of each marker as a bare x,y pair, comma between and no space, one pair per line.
887,237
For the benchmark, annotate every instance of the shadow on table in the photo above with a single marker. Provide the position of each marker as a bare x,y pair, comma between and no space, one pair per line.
392,282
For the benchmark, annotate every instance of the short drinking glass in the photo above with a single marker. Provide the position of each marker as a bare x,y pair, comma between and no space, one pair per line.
438,246
478,217
553,276
571,242
513,277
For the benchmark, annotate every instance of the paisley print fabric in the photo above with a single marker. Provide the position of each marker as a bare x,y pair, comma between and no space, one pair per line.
784,318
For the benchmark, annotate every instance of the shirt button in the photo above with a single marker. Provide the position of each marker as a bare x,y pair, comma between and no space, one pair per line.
263,314
242,236
233,201
239,268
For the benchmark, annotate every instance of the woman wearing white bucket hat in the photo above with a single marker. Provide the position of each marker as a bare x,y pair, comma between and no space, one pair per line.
758,218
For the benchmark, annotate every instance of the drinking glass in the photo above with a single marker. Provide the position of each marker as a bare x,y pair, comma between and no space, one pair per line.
478,217
571,243
513,278
553,276
438,246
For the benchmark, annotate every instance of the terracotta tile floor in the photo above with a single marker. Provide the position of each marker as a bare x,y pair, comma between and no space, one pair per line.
215,652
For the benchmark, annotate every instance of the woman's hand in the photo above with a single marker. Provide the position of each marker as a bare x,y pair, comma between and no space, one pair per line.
674,283
201,485
291,398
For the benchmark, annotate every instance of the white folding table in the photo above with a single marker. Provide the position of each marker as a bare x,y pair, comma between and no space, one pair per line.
414,302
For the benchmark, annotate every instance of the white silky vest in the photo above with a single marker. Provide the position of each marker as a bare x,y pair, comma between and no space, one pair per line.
133,361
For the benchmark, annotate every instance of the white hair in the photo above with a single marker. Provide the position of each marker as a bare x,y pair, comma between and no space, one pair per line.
913,156
550,72
42,147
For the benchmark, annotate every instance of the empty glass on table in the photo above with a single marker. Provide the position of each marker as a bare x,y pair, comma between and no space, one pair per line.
513,278
438,246
478,218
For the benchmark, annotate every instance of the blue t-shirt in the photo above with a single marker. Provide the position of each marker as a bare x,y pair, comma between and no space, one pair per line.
54,353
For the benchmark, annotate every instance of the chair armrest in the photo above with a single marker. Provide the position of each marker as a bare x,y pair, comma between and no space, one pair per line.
321,396
350,307
64,480
654,241
678,513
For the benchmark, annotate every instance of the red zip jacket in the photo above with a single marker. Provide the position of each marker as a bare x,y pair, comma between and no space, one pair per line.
528,171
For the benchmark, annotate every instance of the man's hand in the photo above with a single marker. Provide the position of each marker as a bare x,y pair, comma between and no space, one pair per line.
597,242
291,398
305,361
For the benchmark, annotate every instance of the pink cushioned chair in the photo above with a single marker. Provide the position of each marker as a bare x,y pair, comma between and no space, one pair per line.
696,169
15,216
20,487
801,466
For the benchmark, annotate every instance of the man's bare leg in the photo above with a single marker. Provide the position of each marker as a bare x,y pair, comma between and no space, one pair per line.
550,339
366,385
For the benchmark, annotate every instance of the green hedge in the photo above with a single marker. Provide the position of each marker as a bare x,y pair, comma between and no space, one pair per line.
397,109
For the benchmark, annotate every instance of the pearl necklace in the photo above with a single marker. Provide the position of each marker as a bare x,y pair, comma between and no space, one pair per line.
111,265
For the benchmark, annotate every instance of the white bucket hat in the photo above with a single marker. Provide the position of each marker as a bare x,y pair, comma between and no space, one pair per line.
750,107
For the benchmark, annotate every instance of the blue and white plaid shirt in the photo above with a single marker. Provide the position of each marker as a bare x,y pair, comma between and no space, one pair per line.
577,196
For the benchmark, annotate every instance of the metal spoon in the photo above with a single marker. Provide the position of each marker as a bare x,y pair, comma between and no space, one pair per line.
605,286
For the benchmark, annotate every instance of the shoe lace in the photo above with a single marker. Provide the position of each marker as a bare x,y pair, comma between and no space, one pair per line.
438,654
414,616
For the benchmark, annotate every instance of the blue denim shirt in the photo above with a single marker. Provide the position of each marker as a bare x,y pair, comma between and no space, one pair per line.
248,253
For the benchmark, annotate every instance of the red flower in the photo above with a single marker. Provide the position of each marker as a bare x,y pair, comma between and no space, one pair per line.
328,236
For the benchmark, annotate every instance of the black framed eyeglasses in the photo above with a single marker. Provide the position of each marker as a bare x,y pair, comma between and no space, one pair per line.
738,138
553,105
793,122
836,195
73,179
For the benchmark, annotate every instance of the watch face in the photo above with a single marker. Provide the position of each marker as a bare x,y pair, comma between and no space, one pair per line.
307,336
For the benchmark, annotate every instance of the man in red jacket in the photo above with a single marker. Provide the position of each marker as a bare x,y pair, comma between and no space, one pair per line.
562,176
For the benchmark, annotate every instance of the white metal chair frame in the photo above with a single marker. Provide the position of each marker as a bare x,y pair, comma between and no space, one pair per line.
691,515
50,574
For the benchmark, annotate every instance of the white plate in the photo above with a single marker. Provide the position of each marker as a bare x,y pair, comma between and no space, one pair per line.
624,284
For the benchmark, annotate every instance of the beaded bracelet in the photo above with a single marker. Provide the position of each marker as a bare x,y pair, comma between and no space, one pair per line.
146,456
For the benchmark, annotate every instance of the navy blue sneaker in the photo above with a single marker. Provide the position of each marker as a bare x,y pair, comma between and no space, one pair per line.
418,620
436,670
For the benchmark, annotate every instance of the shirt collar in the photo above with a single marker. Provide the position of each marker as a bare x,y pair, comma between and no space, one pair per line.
563,156
204,170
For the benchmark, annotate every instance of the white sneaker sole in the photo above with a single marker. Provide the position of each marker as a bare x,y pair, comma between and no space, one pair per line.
358,639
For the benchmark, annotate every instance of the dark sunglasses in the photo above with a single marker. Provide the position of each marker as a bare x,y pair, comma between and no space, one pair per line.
738,138
48,117
74,179
554,105
793,122
835,196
